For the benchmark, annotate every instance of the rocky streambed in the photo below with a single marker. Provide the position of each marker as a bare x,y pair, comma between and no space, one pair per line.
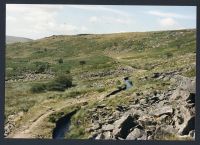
168,115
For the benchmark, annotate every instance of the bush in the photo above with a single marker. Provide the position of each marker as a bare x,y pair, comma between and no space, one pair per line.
169,54
101,90
53,86
60,61
41,67
38,88
60,83
65,80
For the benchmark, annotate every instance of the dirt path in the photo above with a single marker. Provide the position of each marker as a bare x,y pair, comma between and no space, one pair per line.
26,131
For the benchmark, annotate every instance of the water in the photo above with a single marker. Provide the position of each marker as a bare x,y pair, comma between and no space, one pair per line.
129,84
62,126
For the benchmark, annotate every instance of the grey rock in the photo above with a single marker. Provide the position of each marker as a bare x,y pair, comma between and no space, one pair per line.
137,134
164,110
123,126
192,134
143,101
96,126
187,126
108,127
101,106
107,135
99,136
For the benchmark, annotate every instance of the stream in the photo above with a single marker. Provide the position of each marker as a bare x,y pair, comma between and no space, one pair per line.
62,126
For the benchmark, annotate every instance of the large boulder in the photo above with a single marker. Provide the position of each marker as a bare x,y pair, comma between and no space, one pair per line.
168,110
187,126
123,125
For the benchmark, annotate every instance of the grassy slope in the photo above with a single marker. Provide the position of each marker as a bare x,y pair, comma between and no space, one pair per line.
147,52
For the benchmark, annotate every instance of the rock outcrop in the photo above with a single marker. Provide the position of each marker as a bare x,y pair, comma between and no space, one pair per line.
155,115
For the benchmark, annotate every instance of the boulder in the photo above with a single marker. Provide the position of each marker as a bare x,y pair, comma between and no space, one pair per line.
96,126
99,136
107,135
123,125
192,134
147,120
108,127
187,126
137,134
168,110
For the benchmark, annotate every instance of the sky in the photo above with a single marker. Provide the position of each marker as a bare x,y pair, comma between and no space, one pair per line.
38,21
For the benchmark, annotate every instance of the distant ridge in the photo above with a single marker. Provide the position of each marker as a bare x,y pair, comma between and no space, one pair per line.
14,39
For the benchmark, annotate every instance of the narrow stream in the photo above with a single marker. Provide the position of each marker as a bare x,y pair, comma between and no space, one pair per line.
62,126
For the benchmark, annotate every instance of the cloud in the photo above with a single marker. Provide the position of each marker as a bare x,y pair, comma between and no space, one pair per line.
21,8
167,22
37,21
172,15
100,8
110,20
93,19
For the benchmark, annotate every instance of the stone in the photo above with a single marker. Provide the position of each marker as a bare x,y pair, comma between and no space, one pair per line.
123,126
96,126
143,101
146,120
168,110
101,106
187,126
192,134
156,75
107,135
165,119
137,134
99,136
108,127
154,99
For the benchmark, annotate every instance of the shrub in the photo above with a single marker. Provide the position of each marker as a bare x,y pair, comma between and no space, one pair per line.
101,90
82,62
60,61
65,80
53,86
38,88
41,67
60,83
169,54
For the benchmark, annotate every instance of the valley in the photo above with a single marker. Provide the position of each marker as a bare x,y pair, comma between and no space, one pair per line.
48,78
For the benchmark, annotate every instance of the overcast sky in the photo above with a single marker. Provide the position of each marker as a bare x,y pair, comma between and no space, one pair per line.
37,21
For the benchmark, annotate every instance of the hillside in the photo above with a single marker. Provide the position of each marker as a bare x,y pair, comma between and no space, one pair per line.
159,106
13,39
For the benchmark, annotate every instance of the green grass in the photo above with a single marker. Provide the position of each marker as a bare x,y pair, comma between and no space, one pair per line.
146,53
